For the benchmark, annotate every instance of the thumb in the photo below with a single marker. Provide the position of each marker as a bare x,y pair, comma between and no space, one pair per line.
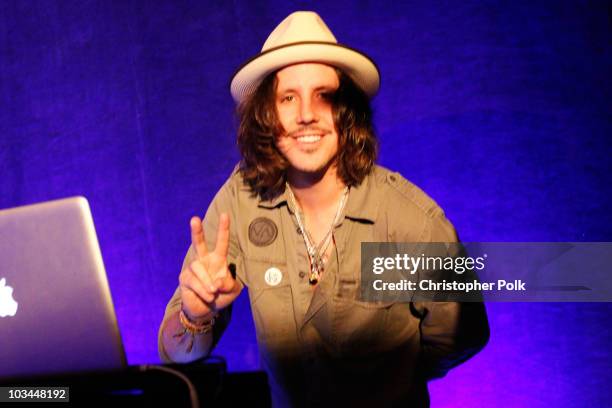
226,283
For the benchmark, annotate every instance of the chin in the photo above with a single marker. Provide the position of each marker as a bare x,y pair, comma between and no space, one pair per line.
312,167
309,169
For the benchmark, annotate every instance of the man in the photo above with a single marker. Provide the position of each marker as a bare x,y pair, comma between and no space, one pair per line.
288,225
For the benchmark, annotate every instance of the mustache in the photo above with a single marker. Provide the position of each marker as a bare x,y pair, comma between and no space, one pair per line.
305,129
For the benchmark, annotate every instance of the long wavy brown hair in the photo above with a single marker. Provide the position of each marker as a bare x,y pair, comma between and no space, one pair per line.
264,168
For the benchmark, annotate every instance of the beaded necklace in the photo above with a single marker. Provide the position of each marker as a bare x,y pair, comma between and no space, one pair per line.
316,252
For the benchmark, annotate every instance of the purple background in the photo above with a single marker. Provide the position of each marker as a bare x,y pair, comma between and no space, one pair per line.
500,110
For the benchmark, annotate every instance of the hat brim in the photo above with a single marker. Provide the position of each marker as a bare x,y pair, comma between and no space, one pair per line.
358,66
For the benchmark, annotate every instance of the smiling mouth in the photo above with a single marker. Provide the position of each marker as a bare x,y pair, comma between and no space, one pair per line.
308,139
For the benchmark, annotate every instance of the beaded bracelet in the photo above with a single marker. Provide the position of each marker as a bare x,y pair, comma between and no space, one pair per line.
193,328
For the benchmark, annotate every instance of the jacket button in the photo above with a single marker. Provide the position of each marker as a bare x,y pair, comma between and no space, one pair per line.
392,178
302,274
298,230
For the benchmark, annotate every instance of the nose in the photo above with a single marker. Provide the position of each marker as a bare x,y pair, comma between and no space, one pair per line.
307,112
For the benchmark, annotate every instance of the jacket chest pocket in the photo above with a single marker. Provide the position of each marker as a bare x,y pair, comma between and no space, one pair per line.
272,304
359,327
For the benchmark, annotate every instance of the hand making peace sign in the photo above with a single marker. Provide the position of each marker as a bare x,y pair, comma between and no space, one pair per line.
206,283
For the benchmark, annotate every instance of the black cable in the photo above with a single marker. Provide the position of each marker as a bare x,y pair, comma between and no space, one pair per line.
193,394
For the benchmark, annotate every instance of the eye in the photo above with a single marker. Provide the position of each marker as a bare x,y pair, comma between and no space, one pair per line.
287,98
327,95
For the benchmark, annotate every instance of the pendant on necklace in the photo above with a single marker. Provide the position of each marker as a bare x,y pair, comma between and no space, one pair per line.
313,279
316,270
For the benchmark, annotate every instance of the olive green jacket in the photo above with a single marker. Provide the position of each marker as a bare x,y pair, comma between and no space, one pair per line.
325,346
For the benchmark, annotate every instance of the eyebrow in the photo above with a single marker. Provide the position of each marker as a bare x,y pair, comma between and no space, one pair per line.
318,88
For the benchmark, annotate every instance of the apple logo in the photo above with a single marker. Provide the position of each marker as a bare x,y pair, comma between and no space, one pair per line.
8,306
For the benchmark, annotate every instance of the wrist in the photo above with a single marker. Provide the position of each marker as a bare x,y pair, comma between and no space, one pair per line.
189,330
197,325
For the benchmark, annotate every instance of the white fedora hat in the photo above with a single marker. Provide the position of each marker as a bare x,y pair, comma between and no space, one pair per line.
304,37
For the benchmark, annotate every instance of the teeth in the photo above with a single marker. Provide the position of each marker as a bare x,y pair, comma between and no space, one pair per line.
309,138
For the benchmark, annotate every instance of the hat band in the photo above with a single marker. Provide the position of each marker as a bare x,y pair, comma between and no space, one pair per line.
279,47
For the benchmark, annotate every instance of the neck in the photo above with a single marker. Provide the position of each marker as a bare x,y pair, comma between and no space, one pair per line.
316,192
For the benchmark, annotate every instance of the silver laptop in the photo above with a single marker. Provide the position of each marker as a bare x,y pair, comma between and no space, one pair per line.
56,311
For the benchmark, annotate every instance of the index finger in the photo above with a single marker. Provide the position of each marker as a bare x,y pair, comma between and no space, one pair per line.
197,237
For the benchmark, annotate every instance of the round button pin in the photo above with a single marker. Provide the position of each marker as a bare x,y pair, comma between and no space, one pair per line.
273,276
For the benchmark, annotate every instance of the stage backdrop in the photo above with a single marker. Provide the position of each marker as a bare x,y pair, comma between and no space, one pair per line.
500,110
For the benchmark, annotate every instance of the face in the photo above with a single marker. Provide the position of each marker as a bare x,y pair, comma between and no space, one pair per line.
304,107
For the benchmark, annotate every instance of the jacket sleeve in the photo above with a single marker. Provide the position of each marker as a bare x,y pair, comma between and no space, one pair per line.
451,332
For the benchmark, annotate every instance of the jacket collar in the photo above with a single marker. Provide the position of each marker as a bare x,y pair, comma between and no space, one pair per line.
362,204
363,200
282,198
